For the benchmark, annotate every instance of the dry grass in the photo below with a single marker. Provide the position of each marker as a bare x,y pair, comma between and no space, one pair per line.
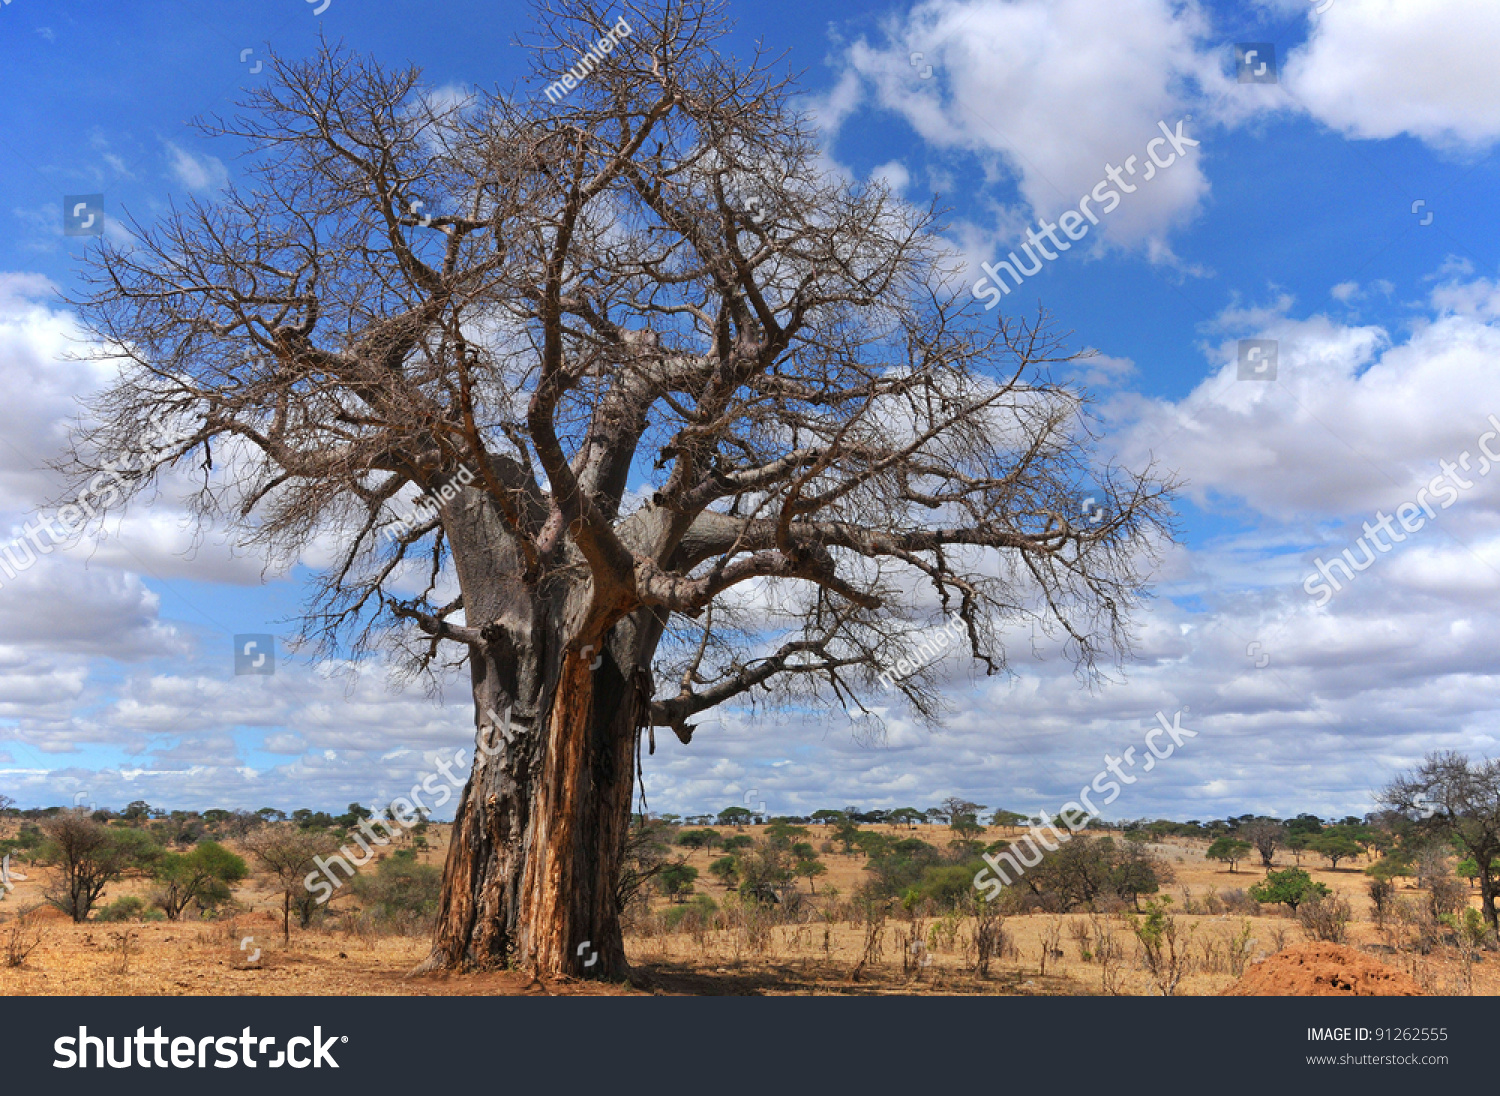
822,951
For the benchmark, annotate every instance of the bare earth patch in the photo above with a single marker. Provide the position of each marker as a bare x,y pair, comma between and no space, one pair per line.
1322,970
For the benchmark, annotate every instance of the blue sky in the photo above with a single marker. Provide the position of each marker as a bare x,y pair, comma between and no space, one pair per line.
1291,220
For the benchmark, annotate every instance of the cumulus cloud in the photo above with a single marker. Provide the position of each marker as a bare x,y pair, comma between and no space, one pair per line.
1052,93
1379,68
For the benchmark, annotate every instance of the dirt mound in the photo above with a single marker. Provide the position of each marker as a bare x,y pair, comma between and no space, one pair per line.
1322,970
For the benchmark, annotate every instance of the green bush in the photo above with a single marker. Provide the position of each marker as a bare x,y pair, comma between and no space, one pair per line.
128,908
700,905
1290,887
400,894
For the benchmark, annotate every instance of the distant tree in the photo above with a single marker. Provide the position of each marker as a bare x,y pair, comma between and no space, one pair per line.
1266,835
1296,844
737,841
807,866
955,807
827,817
204,875
353,816
910,817
136,812
765,872
782,834
676,880
88,857
1289,887
846,833
1004,817
647,852
966,826
1305,823
1464,869
290,854
1229,850
735,816
726,871
269,814
1334,847
698,839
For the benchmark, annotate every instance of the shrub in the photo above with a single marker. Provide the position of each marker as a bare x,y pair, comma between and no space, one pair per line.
696,912
1446,895
1382,893
203,876
1290,887
1163,945
1325,918
401,894
22,935
1238,901
121,909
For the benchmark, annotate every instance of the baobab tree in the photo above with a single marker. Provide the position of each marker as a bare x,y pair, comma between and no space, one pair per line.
699,424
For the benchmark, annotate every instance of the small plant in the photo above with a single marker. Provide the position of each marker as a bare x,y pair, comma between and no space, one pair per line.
23,935
125,948
1325,917
1382,893
1051,942
1078,931
988,938
1109,953
1470,933
1239,949
1163,945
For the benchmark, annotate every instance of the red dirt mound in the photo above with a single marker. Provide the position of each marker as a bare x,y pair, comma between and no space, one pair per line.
1322,970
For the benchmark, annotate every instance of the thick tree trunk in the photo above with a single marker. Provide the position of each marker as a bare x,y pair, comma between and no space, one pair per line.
540,828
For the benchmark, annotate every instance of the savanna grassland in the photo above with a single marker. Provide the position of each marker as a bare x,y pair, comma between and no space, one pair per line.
720,933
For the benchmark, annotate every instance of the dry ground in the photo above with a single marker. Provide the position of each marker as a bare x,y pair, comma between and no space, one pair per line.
818,957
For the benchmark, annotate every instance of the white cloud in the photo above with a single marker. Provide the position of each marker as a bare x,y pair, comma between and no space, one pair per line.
197,173
1054,92
1379,68
1357,417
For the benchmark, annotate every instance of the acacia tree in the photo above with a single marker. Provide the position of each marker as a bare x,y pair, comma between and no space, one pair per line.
1451,797
1266,835
696,420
